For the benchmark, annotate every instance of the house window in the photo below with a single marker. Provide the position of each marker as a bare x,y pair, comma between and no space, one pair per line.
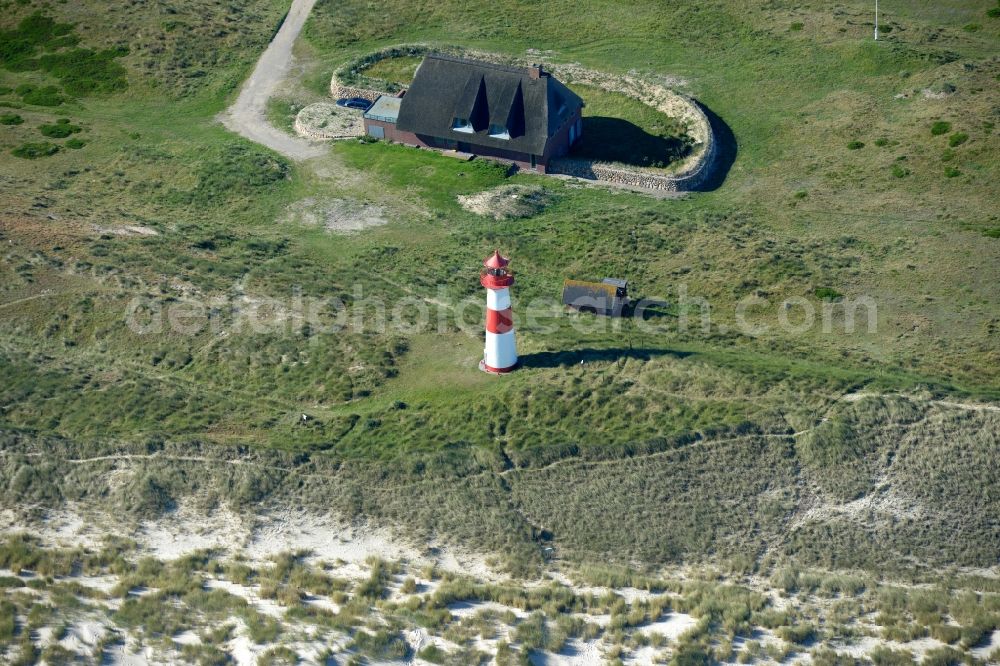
461,125
499,132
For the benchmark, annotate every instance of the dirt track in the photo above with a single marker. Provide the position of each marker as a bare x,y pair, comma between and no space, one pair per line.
248,115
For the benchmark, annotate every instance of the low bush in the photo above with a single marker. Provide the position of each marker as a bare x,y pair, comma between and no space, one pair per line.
10,119
433,654
855,145
34,150
59,130
8,621
940,127
957,139
952,172
827,293
44,96
885,656
75,143
943,656
278,656
799,633
380,645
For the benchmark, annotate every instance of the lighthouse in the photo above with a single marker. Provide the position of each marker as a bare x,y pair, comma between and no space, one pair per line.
500,355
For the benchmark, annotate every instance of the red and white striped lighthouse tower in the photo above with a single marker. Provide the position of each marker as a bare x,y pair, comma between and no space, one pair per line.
500,354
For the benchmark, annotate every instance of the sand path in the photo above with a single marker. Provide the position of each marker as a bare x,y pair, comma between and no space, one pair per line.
248,114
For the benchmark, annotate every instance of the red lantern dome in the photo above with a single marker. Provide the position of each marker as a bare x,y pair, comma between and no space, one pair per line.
495,274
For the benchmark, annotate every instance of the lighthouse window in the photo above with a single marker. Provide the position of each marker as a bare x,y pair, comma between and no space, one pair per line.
461,125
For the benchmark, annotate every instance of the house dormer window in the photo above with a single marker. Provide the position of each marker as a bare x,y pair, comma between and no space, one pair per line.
499,132
461,125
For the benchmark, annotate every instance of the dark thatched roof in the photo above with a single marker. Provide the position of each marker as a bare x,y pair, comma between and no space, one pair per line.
444,88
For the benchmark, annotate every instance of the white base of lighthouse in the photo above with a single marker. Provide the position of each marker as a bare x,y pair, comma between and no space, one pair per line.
500,354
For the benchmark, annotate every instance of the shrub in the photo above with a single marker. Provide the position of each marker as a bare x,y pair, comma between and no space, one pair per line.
946,633
11,119
799,633
940,127
957,139
8,617
993,232
44,96
855,145
828,293
59,130
80,70
31,151
884,656
380,645
900,171
433,654
796,26
881,142
75,143
690,655
952,172
942,656
278,655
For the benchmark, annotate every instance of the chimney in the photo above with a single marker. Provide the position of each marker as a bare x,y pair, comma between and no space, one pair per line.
535,71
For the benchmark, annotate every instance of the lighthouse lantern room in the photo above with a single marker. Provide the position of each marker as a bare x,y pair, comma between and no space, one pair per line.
500,354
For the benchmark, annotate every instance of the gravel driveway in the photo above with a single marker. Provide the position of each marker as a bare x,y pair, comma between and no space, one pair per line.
248,115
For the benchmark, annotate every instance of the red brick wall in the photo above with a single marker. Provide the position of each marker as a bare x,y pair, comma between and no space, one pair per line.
393,134
559,144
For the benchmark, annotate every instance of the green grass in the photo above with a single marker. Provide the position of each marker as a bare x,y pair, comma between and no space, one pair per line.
394,70
617,128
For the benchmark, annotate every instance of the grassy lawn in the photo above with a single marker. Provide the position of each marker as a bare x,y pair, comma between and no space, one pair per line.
617,128
395,70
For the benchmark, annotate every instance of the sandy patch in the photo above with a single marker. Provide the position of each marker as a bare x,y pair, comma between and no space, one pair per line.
325,121
131,230
988,647
464,609
336,215
576,652
672,627
249,594
186,530
507,202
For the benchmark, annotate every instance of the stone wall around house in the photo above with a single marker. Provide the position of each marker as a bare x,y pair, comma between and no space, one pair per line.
338,91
